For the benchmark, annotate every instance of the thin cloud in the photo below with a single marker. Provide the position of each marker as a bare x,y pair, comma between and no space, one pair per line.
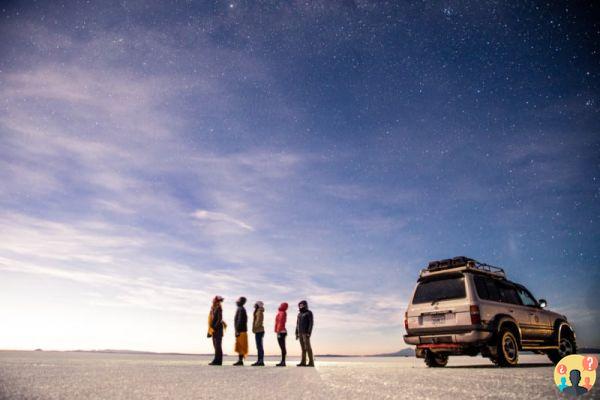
212,216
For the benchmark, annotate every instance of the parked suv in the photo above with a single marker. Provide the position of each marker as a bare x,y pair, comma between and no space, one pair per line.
463,307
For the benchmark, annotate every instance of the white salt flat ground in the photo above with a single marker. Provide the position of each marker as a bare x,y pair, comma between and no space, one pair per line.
76,376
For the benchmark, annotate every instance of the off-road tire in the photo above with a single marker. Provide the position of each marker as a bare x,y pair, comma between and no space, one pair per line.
567,346
507,349
434,360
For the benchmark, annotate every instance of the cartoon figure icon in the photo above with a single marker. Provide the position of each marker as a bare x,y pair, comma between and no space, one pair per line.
575,389
575,375
563,384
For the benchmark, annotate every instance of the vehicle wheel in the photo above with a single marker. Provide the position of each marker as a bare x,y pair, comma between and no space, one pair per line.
434,360
566,346
508,349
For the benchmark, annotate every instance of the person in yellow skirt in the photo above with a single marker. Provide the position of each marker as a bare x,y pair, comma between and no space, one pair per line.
216,329
241,331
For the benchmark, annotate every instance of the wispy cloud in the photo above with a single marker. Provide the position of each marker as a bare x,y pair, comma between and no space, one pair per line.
205,215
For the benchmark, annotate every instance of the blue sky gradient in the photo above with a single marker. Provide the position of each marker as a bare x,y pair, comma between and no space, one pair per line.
153,155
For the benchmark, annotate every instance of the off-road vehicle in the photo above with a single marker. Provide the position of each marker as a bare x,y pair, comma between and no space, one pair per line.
463,307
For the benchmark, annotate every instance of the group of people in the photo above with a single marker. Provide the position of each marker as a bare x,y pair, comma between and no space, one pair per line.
216,330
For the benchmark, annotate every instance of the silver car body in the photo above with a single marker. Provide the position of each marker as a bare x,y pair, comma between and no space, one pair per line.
468,324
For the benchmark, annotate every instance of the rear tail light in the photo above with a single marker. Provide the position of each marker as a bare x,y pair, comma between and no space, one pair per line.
406,320
475,315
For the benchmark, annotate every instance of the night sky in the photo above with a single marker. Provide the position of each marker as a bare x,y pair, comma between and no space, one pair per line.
154,154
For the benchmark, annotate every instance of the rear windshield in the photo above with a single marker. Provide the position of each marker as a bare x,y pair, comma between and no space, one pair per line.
440,289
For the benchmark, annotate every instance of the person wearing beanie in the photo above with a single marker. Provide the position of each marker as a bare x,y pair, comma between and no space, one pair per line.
281,332
216,328
259,332
241,331
304,326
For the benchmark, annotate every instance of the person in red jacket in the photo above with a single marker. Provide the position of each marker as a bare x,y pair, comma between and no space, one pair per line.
281,331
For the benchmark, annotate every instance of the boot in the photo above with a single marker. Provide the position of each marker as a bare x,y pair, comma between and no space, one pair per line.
311,364
240,362
214,362
259,363
302,364
281,364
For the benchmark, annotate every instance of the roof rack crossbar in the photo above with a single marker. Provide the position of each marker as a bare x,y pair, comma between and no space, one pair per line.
489,268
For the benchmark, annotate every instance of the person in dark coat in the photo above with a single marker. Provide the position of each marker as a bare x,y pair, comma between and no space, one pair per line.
281,332
241,331
216,327
304,326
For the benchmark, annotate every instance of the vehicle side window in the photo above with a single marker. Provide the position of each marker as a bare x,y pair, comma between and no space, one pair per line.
492,290
486,288
508,294
526,298
482,291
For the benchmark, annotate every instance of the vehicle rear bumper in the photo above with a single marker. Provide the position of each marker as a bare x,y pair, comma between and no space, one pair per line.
466,335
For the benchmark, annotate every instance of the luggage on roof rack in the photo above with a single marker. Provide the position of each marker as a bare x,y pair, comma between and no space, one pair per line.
461,263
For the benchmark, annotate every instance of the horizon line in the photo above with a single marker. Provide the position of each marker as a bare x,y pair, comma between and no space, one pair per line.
126,351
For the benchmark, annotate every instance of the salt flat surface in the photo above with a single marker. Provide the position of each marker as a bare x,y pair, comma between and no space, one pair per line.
75,376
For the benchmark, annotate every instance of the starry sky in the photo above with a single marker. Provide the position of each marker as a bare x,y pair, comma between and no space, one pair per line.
154,154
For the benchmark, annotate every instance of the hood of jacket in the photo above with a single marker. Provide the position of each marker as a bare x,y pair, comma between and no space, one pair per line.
217,301
283,306
303,306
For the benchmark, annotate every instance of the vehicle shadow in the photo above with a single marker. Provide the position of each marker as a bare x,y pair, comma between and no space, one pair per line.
532,365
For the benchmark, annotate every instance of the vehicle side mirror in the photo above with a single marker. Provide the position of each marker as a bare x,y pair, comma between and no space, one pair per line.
543,303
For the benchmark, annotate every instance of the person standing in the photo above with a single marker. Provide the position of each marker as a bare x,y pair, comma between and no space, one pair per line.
241,331
216,327
281,332
304,326
259,332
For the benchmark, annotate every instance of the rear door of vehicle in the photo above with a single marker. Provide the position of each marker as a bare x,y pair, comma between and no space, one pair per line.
489,298
499,297
438,303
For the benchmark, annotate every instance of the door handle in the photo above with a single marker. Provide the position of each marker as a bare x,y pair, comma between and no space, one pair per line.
511,310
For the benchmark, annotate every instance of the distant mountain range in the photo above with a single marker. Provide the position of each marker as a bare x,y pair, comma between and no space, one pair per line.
401,353
588,350
408,352
116,351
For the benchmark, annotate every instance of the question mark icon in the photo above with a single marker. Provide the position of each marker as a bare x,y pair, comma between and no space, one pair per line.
562,369
590,363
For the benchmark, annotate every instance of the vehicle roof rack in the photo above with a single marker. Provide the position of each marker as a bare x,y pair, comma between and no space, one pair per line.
460,264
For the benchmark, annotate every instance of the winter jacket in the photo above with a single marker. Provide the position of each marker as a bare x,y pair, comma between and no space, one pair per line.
215,319
257,323
241,320
281,318
304,323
